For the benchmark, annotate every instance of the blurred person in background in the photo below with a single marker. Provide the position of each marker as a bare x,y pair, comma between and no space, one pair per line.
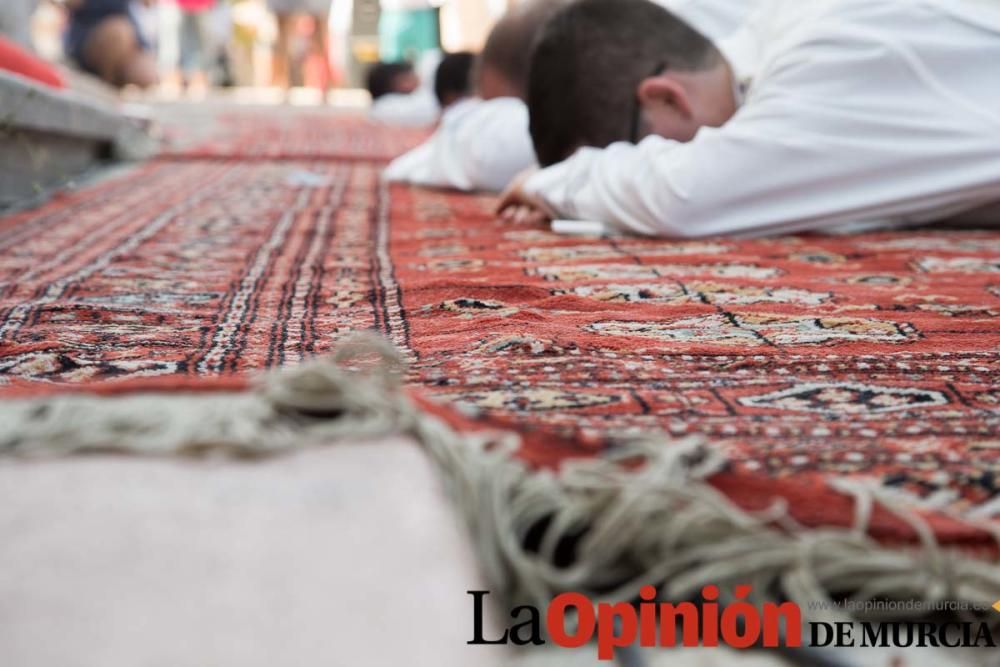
408,28
249,21
483,142
286,11
453,79
196,44
400,96
104,38
391,79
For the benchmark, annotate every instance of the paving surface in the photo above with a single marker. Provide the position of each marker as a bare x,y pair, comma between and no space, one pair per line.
349,555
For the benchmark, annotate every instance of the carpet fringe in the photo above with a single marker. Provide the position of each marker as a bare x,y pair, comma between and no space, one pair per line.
598,526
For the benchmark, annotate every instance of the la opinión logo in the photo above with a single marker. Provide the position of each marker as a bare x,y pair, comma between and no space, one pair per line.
572,620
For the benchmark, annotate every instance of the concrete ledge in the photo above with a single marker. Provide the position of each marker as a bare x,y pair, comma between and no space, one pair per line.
28,106
48,137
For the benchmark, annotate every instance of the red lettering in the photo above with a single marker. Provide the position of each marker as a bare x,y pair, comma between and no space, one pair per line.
732,633
647,617
772,624
710,616
607,640
555,620
668,624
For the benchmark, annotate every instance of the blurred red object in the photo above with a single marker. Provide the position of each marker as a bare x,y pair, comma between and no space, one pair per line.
16,59
195,5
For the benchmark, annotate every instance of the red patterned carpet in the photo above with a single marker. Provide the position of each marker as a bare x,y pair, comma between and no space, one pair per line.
809,359
292,134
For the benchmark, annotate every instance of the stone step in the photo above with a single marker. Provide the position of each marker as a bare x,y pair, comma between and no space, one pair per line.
50,137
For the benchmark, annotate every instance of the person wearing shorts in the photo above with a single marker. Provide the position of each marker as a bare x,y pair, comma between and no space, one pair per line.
104,38
286,11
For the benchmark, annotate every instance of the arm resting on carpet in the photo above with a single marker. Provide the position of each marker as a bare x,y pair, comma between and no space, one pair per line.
814,148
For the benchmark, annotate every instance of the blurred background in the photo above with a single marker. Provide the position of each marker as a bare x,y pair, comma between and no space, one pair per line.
285,50
90,83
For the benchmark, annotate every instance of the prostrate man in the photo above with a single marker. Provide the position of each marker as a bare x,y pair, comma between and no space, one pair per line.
483,143
400,96
453,79
823,115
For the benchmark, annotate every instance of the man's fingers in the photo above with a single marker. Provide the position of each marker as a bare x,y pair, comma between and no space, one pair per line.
524,215
509,212
519,208
508,199
514,194
539,218
520,214
535,217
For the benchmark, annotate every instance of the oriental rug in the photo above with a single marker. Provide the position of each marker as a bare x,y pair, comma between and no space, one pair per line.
295,133
808,360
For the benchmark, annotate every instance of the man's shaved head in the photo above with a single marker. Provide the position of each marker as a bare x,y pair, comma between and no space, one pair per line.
506,58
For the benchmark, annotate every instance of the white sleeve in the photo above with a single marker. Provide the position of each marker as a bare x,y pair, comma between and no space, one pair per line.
417,109
479,145
416,166
716,19
816,147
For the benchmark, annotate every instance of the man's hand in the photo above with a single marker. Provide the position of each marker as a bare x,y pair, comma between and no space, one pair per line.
519,207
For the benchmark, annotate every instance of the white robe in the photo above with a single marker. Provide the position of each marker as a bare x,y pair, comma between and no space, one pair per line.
860,113
480,145
716,19
417,109
484,144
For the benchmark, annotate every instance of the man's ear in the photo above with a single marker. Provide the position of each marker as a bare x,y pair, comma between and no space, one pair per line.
664,91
